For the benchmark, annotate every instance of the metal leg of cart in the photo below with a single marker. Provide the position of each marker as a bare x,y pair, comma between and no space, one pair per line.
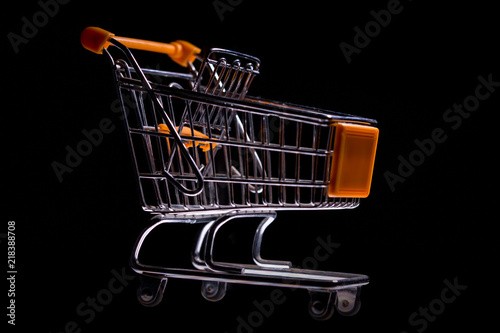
328,290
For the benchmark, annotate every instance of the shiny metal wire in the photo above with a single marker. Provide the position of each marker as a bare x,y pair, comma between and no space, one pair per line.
242,153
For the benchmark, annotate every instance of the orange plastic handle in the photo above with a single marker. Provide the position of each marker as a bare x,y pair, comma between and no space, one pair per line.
96,39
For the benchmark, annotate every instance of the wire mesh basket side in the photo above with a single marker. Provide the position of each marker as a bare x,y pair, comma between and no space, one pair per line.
248,159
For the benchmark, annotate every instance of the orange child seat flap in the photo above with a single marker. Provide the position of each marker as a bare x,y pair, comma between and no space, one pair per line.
353,160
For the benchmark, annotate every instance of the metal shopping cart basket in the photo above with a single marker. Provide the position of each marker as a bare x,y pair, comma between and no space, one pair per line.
205,152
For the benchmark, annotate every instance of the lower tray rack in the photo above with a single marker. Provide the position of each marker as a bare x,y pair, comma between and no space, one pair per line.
328,290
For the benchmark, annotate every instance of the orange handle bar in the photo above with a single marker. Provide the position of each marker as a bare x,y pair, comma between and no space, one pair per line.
96,39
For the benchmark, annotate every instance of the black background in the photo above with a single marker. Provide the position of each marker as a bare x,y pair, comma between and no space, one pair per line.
437,225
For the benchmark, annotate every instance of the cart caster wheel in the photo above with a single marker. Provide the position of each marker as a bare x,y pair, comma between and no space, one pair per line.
213,291
321,305
150,291
348,302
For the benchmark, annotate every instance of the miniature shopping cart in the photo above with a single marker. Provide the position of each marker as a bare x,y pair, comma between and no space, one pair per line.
205,152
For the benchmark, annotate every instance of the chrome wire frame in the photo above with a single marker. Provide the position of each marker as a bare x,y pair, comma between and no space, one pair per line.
262,154
325,287
240,158
264,271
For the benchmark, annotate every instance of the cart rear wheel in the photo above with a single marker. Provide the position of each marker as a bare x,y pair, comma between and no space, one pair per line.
150,291
321,305
213,291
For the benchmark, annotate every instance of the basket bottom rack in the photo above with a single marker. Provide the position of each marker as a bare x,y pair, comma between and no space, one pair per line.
329,291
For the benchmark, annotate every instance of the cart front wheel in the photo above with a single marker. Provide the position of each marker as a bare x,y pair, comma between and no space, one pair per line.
348,302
